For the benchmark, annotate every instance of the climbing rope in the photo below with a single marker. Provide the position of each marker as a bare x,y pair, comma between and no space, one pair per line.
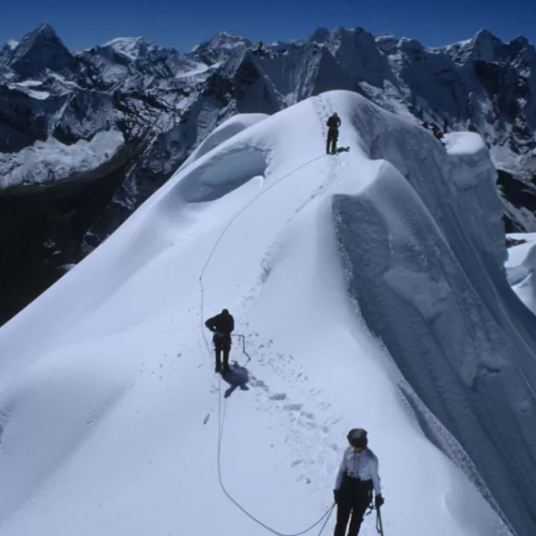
221,420
224,232
222,413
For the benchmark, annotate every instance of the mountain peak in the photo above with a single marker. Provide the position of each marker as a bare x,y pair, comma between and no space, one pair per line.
485,34
127,40
320,35
487,47
522,47
227,40
221,47
130,47
6,51
348,31
520,40
45,30
484,46
39,50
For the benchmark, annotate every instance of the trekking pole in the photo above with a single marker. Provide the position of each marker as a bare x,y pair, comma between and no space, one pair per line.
379,524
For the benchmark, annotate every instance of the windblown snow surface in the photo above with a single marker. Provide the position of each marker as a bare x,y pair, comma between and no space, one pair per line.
371,292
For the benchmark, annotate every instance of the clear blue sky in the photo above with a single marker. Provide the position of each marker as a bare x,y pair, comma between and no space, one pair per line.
180,24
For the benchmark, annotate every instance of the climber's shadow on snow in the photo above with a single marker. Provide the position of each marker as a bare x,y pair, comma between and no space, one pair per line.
238,377
343,150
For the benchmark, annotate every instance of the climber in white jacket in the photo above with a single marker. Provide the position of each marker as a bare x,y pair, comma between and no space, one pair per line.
357,477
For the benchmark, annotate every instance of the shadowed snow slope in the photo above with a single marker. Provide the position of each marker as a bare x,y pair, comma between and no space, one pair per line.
227,130
370,289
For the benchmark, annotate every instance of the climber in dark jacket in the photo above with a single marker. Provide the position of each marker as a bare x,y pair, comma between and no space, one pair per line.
222,326
333,123
437,132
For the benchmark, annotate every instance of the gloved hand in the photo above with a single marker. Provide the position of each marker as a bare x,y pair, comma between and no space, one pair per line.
336,496
378,500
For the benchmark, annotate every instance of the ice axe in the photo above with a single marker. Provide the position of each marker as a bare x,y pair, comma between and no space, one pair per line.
379,524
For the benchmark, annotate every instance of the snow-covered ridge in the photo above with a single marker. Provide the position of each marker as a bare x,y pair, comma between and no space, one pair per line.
131,47
226,40
230,128
354,278
223,40
165,104
52,161
29,88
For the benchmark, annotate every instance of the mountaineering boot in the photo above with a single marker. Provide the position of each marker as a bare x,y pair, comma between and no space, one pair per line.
218,367
226,367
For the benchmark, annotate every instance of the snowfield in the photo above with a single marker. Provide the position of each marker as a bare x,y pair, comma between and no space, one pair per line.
370,289
52,161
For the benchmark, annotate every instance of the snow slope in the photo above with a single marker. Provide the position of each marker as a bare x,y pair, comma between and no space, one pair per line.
225,131
50,160
520,268
110,410
130,47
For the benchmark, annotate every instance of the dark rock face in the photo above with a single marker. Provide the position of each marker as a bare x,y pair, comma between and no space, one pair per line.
43,234
23,121
86,137
40,50
83,115
519,198
45,227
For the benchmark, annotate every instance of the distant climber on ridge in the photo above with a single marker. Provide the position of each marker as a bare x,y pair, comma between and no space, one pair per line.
357,477
222,325
333,123
437,132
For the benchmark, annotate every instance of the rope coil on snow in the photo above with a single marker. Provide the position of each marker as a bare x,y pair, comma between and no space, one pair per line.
221,414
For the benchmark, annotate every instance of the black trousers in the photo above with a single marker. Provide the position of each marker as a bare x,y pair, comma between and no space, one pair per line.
354,498
222,345
333,136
